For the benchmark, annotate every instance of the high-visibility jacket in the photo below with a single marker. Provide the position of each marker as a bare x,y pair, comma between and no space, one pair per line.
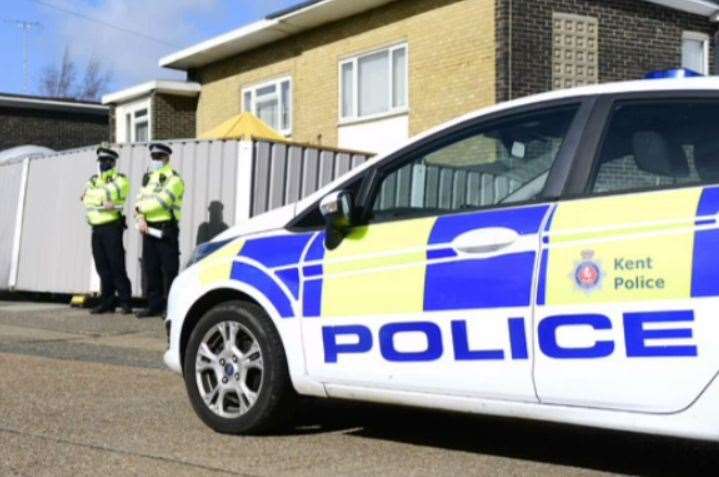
161,199
110,186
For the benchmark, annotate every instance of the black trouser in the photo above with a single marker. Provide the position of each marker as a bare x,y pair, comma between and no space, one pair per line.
161,263
109,254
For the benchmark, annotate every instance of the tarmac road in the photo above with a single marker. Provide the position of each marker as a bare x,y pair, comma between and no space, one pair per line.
85,395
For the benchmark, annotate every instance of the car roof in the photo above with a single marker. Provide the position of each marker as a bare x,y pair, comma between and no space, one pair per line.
703,83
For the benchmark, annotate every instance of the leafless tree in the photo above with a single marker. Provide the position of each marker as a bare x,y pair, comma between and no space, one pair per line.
56,80
61,81
95,81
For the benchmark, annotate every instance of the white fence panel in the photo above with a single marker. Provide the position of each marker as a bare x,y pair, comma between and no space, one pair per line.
54,253
10,183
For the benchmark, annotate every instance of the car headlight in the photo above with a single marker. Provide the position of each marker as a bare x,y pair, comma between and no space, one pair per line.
204,250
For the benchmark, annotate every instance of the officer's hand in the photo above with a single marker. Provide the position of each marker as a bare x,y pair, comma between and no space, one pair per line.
142,225
109,205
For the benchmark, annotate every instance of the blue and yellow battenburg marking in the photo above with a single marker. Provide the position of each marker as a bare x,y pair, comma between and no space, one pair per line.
378,269
705,277
497,282
263,264
600,250
312,275
631,248
399,266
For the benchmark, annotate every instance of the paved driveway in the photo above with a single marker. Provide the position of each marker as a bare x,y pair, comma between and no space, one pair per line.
89,395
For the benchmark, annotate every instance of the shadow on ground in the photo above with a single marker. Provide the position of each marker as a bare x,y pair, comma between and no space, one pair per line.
571,446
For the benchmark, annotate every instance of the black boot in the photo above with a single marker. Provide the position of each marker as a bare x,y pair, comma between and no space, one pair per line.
149,313
125,309
102,309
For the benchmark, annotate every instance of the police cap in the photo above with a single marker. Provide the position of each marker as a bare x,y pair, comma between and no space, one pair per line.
159,148
105,153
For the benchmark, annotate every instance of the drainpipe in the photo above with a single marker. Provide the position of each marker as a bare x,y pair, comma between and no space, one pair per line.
715,20
509,52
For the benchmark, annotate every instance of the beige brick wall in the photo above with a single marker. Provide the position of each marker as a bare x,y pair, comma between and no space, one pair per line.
451,65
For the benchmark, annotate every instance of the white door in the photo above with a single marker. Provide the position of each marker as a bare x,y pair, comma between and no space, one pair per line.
435,292
627,316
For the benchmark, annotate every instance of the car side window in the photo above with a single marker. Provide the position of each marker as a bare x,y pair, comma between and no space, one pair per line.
658,144
506,162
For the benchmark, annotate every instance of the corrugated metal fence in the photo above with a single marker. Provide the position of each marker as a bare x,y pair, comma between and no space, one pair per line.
442,188
284,173
54,246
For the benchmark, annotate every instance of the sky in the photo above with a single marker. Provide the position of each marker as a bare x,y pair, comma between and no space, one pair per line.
80,26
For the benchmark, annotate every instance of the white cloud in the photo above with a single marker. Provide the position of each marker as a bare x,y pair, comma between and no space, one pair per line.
133,58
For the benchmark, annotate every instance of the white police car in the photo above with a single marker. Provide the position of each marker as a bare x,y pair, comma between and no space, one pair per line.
555,258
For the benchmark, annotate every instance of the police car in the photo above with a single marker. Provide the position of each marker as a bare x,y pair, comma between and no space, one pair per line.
554,257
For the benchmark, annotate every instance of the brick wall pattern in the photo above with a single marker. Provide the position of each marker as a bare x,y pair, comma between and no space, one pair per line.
635,37
173,117
451,66
53,129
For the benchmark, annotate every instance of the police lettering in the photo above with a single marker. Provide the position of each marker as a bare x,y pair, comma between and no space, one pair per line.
639,342
640,264
639,281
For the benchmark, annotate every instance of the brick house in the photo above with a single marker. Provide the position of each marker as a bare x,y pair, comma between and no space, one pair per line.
155,110
369,74
50,122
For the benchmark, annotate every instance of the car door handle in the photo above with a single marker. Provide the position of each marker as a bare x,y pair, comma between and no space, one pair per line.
485,241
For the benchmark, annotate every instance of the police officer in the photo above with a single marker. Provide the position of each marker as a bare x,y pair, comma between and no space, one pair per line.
158,211
104,199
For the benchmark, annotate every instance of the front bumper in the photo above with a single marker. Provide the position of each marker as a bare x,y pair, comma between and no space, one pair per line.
182,295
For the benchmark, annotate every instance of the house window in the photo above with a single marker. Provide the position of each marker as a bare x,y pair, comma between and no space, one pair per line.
272,103
133,121
575,50
141,126
695,52
374,84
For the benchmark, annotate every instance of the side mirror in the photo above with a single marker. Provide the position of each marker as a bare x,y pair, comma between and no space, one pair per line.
336,208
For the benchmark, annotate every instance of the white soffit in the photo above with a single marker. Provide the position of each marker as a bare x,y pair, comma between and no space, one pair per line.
266,31
272,29
177,88
699,7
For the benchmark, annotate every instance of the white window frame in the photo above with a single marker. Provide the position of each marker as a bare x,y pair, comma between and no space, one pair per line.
277,83
135,121
121,113
702,37
392,111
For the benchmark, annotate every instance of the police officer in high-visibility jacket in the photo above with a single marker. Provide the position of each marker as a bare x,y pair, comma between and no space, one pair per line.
104,200
158,210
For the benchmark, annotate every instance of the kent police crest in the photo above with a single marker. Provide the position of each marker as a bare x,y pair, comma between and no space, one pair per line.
588,274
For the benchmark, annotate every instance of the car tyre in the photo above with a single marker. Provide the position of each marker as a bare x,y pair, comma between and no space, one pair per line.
236,371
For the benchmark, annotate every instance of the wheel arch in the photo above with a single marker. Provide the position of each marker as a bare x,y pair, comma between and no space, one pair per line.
204,304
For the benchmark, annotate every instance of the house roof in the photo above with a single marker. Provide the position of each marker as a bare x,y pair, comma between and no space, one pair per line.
303,16
310,14
177,88
291,9
47,103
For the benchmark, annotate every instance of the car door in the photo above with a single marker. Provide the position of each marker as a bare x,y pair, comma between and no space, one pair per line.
433,292
629,282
